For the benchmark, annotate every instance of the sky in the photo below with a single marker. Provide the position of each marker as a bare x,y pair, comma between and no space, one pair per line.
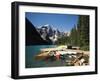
62,22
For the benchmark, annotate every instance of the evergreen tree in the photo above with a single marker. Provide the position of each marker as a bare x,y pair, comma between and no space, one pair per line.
73,36
80,34
83,30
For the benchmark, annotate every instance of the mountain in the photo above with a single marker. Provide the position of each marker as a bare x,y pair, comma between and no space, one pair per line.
43,35
48,33
33,37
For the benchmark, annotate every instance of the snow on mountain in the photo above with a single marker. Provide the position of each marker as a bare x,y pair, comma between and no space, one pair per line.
48,32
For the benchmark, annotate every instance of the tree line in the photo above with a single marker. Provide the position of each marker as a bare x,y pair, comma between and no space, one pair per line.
79,34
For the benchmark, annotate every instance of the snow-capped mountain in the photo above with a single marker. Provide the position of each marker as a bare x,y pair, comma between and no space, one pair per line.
43,35
48,33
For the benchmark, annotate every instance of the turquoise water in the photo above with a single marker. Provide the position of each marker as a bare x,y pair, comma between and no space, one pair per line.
31,62
32,51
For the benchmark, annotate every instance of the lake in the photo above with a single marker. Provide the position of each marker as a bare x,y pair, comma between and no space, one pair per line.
31,62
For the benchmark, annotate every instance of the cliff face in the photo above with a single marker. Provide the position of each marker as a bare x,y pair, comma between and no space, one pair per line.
32,35
48,33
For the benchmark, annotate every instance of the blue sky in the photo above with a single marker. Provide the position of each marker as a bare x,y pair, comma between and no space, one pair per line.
62,22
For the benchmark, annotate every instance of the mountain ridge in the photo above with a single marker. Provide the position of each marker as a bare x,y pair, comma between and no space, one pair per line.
32,36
